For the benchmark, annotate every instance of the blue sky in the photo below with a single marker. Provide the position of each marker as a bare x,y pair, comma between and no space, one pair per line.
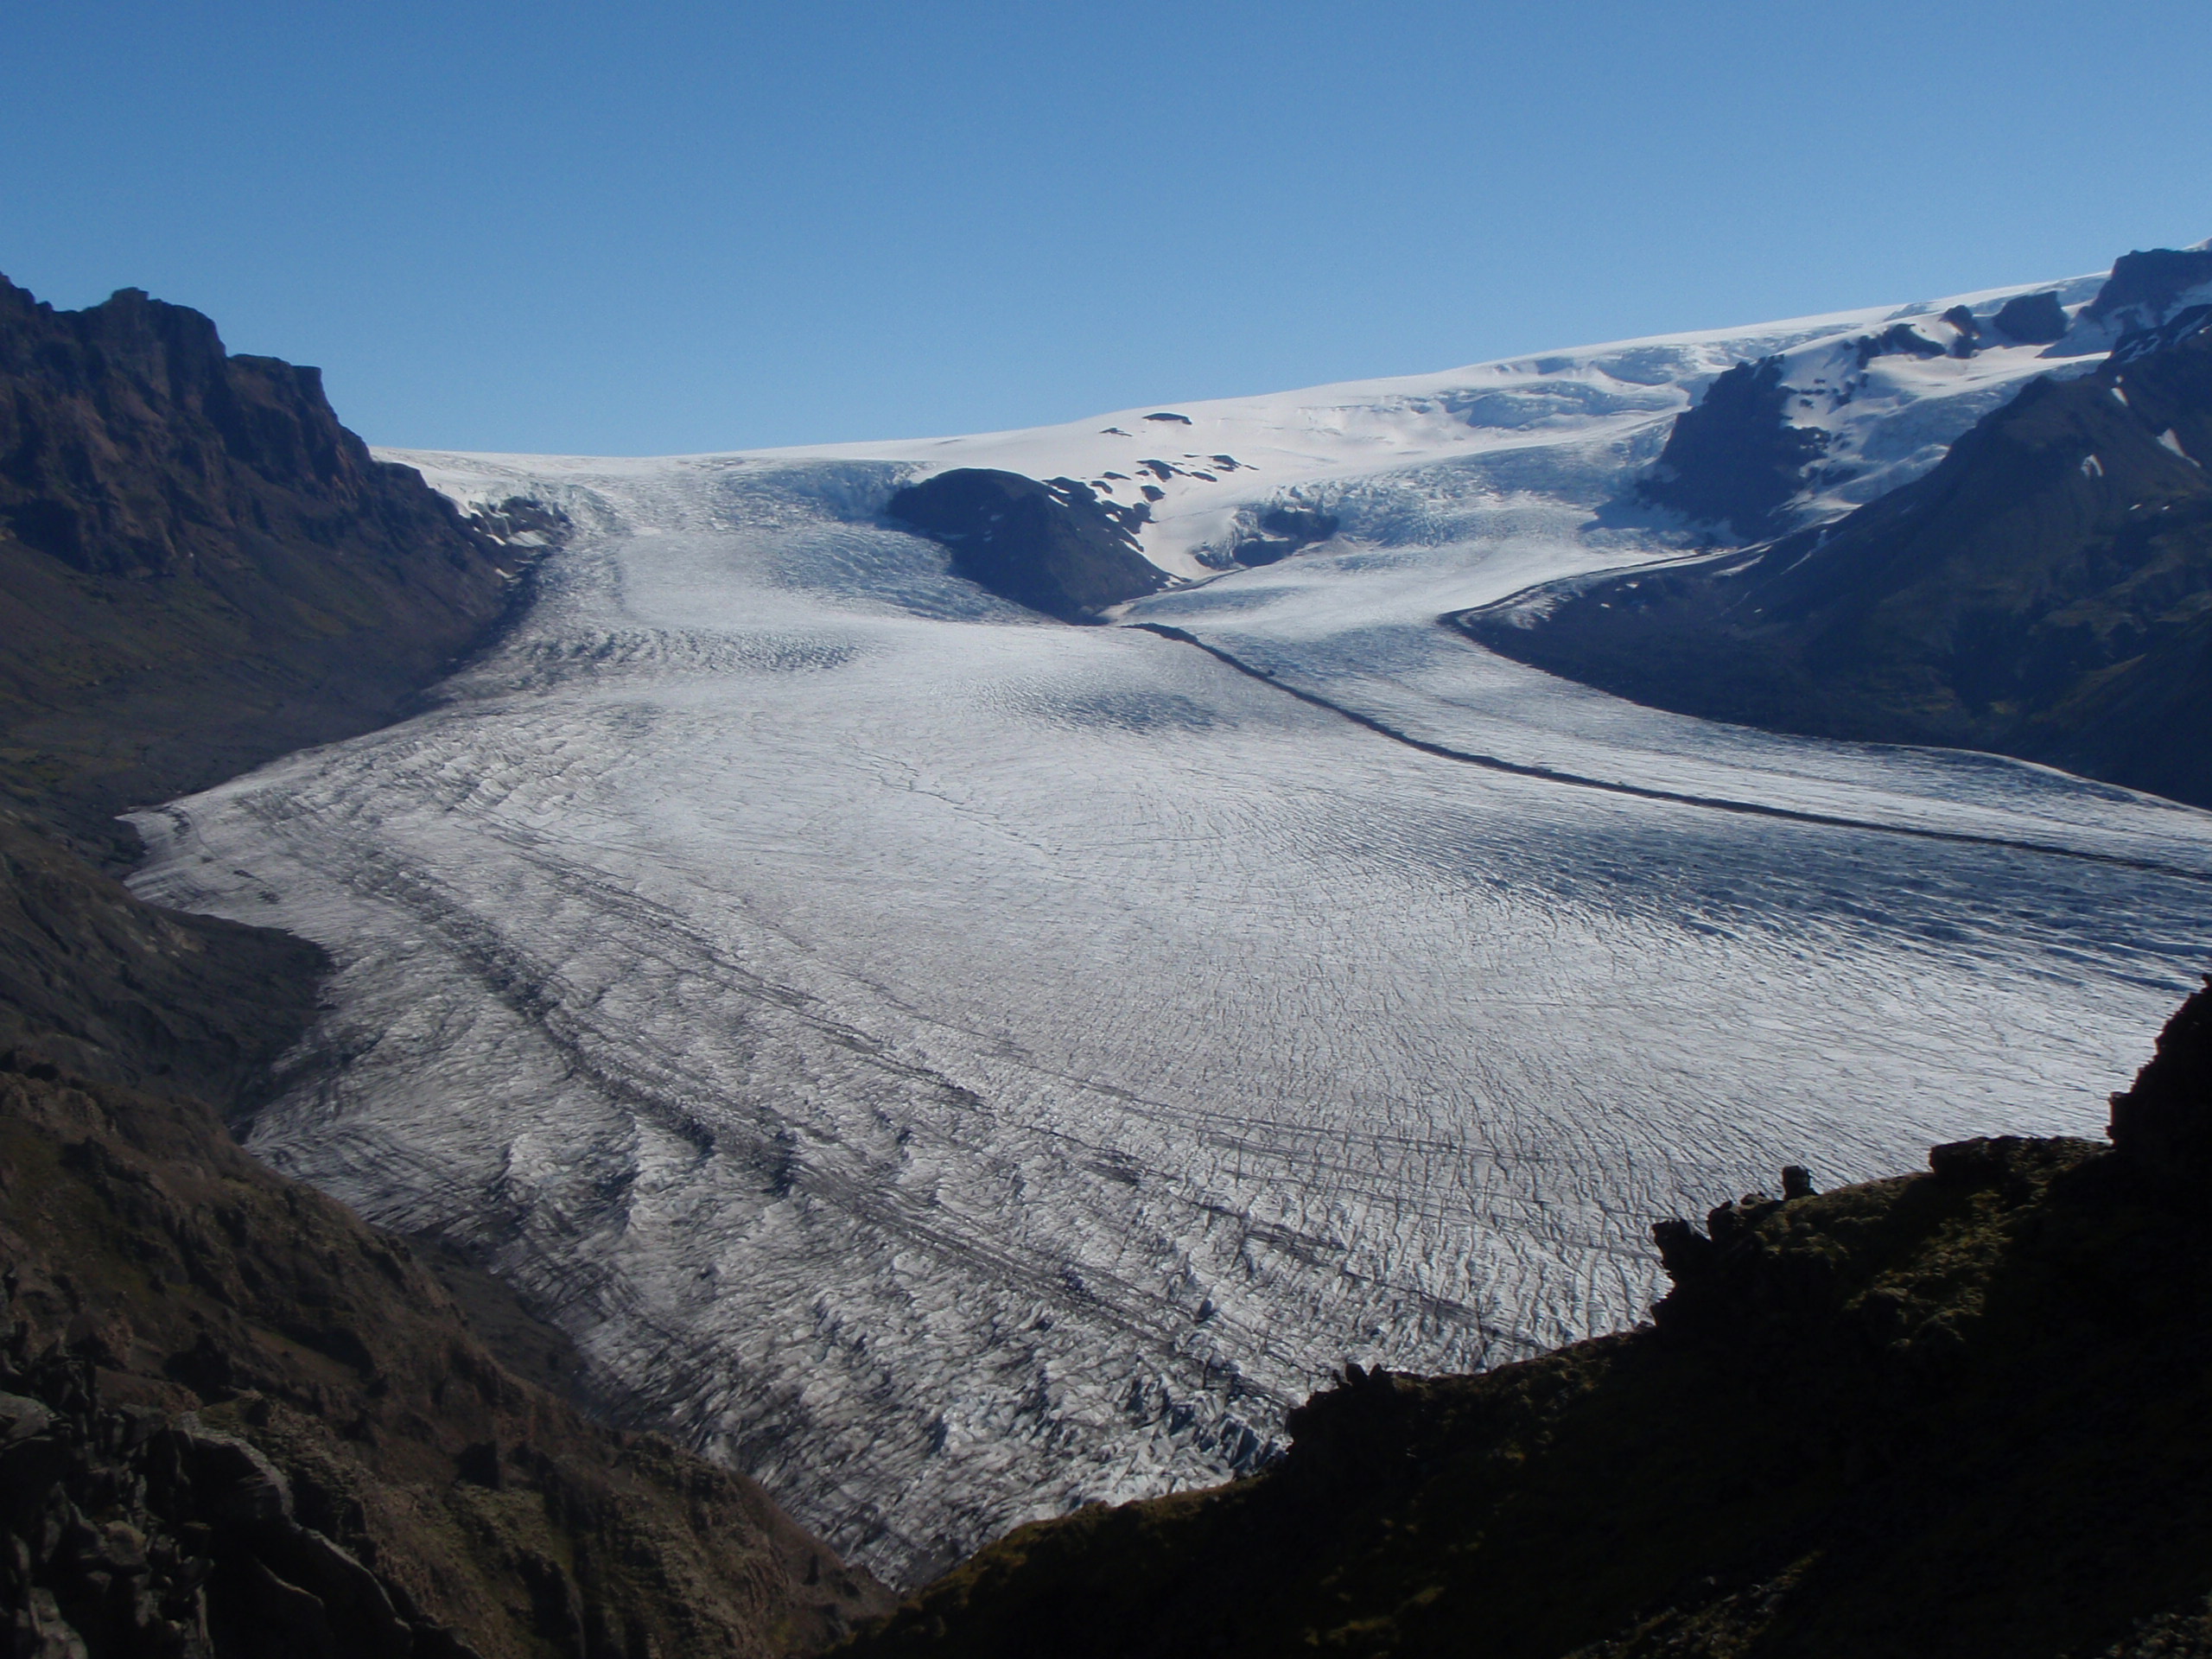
664,225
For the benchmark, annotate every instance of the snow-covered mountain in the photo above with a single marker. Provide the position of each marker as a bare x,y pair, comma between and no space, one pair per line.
959,1065
1888,387
2045,592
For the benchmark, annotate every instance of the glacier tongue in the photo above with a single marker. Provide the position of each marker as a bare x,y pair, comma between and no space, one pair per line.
960,1066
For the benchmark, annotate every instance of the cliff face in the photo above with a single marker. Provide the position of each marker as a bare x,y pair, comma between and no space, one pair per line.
234,1420
1956,1412
200,567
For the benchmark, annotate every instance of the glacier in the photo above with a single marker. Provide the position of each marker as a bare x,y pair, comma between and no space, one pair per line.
955,1066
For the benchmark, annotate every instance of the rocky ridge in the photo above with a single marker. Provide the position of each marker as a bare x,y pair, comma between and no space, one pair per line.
234,1420
201,567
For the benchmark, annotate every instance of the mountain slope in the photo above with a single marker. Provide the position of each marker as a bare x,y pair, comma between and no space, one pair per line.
234,1420
200,567
162,1289
2045,592
1955,1412
1055,547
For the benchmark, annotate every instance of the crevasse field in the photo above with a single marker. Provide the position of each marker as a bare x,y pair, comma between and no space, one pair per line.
956,1066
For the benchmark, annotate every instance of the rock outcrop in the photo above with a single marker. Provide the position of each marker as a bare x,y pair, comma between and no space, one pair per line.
1735,460
1273,533
1956,1412
2031,319
2144,286
1056,547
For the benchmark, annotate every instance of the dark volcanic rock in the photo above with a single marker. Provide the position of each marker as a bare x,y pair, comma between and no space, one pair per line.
2046,592
1056,547
1735,460
194,552
1969,330
236,1420
2031,319
1899,339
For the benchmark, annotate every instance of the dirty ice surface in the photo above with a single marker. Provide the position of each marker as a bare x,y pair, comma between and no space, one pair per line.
956,1066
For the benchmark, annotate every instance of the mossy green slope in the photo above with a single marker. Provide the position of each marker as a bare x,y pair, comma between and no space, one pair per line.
1963,1413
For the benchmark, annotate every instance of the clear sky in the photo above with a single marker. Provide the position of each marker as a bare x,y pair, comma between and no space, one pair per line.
670,225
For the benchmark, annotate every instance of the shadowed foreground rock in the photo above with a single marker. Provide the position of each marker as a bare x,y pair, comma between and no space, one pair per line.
239,1420
1963,1413
2163,1125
